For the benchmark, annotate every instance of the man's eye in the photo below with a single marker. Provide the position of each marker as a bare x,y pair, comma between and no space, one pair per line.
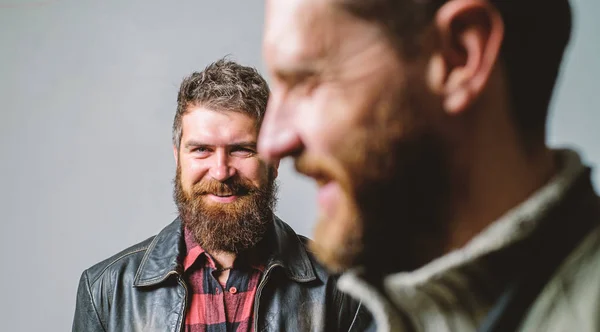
201,150
243,152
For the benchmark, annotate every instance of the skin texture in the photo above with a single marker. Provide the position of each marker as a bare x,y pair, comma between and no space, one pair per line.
219,145
405,149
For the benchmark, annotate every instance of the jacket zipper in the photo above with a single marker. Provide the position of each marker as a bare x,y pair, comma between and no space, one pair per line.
258,291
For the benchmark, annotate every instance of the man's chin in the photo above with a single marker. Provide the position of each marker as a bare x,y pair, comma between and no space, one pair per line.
338,241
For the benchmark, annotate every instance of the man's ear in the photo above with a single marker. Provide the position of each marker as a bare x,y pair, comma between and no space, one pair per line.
470,34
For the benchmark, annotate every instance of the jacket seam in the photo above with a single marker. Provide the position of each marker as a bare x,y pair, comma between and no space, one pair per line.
338,299
303,243
88,289
116,260
355,316
279,263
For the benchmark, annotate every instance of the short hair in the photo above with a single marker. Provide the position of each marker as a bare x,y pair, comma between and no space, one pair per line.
223,85
536,36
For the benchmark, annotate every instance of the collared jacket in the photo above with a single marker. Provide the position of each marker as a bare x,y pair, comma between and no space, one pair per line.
537,268
142,289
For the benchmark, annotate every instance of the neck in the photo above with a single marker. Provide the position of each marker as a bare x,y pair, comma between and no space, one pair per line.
493,174
223,259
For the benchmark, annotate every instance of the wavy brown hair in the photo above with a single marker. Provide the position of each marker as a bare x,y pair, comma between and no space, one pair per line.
222,85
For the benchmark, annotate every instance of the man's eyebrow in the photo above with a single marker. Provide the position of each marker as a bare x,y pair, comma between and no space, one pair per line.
195,144
244,144
241,144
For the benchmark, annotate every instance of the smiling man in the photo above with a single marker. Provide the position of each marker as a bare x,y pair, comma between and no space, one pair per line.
227,263
424,124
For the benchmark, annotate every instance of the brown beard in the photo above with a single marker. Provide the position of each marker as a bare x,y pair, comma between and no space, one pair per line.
395,179
226,227
404,215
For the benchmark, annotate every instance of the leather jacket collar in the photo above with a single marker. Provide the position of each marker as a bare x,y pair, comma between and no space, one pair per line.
163,257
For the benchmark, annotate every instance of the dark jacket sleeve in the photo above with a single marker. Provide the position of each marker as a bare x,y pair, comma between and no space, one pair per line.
86,316
347,314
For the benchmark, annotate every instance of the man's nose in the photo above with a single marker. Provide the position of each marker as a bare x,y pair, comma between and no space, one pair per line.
221,170
279,136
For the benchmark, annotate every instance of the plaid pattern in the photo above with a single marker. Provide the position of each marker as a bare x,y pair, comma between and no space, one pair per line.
214,307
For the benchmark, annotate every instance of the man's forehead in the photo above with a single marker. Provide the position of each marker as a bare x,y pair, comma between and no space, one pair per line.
221,136
309,36
200,121
297,31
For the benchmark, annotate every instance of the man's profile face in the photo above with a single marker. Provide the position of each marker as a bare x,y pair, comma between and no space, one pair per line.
225,193
355,117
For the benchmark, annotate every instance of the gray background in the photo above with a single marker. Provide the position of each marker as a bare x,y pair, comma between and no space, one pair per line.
87,95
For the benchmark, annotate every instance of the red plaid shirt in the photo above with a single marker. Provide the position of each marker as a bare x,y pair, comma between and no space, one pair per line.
216,307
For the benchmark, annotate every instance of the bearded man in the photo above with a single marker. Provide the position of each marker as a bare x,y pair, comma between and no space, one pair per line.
227,263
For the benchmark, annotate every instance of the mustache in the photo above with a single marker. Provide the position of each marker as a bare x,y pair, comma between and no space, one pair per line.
233,186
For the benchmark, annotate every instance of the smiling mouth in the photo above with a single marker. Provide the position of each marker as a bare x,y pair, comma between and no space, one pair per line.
223,195
221,198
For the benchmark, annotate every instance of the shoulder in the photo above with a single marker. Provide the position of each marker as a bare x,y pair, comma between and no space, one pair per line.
305,243
343,312
569,300
307,246
125,260
583,263
346,312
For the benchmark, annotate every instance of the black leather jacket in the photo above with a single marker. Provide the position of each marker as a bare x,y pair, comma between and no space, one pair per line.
142,289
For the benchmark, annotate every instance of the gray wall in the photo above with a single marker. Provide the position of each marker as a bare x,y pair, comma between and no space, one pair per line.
87,95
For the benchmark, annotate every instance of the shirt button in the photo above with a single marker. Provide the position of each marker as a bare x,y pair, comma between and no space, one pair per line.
232,290
217,290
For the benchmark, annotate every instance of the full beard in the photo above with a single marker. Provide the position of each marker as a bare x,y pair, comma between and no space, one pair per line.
226,227
394,175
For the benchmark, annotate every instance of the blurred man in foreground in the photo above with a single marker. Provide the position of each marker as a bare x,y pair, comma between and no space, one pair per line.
424,124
